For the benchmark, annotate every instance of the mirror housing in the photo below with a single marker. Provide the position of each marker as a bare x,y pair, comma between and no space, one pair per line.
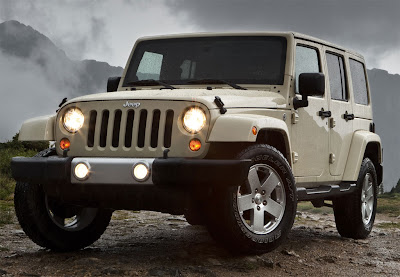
310,84
112,83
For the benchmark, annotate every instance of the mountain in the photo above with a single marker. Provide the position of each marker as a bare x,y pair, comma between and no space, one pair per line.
81,77
385,92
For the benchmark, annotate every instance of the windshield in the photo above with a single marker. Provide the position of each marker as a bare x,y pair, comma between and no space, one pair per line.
239,60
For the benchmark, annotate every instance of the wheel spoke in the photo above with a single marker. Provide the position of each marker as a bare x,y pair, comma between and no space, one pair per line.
245,202
270,183
368,210
363,210
254,180
273,208
258,220
369,192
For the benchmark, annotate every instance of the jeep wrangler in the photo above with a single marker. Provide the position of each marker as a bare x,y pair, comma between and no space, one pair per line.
229,129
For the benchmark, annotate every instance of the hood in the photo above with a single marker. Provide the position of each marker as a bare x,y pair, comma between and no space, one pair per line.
232,98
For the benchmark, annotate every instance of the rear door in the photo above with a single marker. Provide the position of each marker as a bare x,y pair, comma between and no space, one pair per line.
341,120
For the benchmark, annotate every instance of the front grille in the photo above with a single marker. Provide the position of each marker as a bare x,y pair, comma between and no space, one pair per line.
130,128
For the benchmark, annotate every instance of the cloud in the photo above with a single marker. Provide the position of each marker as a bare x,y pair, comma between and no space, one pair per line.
366,26
26,93
89,29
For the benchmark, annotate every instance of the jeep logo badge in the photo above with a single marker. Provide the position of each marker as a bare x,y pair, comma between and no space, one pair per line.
131,105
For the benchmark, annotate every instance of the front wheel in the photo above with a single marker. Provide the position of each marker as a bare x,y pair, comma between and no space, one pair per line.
355,213
256,216
57,226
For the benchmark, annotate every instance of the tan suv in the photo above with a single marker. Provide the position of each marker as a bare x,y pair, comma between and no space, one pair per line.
230,129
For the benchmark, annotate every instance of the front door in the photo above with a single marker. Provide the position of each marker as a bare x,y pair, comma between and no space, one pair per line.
310,129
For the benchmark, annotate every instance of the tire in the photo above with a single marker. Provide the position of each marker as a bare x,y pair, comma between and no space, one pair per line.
355,213
56,226
256,216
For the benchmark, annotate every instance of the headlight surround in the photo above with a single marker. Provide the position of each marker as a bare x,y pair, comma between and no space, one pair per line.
73,120
194,119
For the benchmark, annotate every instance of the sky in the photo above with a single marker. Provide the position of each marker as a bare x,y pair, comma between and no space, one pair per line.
106,30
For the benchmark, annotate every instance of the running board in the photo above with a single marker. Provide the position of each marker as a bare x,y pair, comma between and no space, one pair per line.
325,191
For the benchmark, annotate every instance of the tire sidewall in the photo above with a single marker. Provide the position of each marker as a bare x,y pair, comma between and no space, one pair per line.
251,242
367,167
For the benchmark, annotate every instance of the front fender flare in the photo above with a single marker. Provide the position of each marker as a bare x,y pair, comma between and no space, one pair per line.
238,128
38,129
358,146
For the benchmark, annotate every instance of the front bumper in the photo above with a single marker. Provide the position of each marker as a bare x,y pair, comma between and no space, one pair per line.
170,172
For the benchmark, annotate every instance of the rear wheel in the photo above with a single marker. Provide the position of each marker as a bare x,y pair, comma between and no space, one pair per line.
355,213
256,216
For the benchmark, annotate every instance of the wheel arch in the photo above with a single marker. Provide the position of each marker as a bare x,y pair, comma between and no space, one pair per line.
364,144
235,132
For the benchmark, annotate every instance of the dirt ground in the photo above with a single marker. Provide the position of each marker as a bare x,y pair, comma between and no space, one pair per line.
156,244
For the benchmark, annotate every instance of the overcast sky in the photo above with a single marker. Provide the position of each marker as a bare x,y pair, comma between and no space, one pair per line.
106,30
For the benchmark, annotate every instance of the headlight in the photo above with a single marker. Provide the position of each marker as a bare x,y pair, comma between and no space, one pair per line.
73,120
194,120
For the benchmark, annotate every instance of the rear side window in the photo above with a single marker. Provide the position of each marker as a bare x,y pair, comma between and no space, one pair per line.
337,79
359,82
307,61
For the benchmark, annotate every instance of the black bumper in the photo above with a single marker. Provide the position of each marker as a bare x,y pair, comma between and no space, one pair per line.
171,172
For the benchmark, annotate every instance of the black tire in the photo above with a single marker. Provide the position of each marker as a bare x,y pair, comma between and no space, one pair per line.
238,231
348,210
36,214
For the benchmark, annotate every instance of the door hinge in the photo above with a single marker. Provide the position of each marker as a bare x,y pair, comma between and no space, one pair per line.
295,118
332,123
331,158
295,157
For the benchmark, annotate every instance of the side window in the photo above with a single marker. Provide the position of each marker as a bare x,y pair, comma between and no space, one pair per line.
307,61
359,82
337,79
188,69
150,66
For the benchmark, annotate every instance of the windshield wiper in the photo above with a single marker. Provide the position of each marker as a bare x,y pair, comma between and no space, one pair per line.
149,82
216,81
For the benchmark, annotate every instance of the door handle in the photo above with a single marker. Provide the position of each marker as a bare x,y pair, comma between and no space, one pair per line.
348,116
324,114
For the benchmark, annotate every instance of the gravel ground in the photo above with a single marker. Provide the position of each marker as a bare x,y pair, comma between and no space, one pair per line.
156,244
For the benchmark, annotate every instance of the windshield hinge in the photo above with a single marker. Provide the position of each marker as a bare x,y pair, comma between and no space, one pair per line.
220,104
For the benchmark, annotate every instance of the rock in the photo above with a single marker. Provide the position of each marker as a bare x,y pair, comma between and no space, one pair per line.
266,262
3,272
361,241
329,259
290,253
113,271
201,270
164,271
213,262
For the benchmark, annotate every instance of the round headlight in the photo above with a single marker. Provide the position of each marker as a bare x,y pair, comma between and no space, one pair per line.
194,120
73,120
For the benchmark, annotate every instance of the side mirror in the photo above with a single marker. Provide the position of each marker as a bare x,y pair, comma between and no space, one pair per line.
310,84
112,83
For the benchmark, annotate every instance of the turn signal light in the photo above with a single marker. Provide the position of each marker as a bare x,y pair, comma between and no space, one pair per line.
195,145
254,130
65,143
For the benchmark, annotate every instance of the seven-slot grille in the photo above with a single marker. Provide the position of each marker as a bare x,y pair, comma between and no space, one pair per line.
130,128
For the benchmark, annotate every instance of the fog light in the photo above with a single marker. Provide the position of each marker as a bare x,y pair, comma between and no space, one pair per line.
81,171
195,145
141,172
65,143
